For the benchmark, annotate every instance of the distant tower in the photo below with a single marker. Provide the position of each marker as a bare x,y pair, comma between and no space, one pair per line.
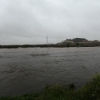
47,39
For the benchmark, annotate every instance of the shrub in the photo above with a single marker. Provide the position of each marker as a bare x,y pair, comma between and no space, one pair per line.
91,90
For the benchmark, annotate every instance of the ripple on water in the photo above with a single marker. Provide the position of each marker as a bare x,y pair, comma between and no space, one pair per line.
37,67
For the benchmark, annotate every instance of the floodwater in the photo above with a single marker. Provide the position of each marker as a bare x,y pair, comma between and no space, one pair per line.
29,70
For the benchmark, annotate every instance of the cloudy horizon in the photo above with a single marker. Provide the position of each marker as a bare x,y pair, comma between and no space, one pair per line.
30,21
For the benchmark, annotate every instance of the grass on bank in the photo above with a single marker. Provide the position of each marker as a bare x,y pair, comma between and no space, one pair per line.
90,91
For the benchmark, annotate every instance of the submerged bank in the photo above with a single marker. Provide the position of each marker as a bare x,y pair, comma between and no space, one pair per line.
90,91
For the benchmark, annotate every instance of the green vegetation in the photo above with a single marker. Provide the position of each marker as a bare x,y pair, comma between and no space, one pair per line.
91,91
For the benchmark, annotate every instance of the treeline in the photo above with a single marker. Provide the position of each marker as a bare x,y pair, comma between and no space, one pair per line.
32,46
53,45
79,44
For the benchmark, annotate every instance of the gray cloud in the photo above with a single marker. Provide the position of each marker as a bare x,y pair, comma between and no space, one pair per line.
30,21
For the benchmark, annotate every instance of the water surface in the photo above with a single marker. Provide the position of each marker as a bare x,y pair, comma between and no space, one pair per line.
30,70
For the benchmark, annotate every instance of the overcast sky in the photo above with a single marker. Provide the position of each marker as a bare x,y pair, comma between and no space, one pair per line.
30,21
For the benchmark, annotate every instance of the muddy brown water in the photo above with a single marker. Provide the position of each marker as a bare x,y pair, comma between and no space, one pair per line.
30,70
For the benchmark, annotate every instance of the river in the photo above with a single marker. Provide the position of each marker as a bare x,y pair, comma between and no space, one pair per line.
30,70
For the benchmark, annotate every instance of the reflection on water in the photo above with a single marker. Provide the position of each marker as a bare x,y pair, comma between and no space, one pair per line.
30,70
